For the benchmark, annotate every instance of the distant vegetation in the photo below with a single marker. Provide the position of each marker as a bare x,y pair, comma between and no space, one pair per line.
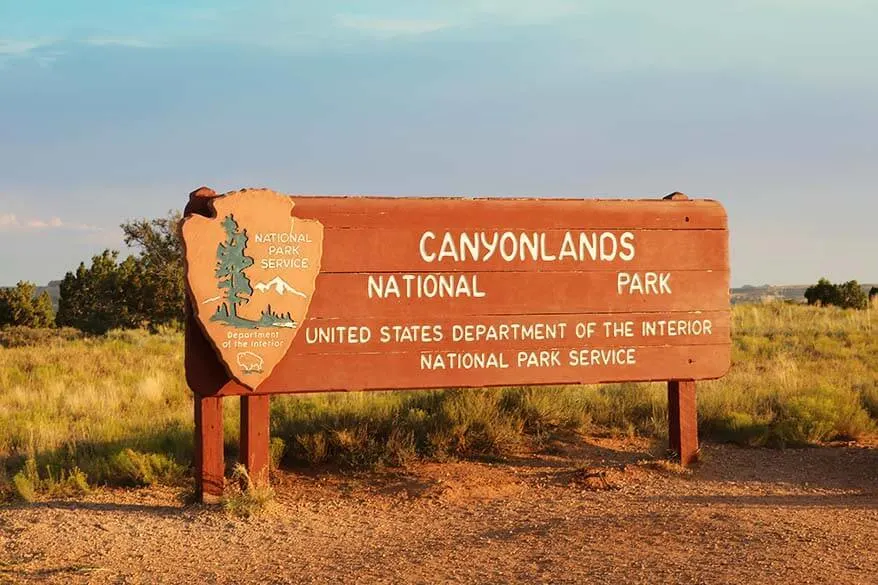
21,306
144,290
780,293
78,411
849,295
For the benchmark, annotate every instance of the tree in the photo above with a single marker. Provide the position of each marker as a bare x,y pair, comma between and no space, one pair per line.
104,296
22,306
849,295
231,263
160,246
143,290
823,293
852,295
873,294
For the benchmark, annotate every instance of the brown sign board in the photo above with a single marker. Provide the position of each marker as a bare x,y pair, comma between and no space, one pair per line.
363,293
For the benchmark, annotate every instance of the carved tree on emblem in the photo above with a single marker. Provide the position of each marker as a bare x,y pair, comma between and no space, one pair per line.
230,266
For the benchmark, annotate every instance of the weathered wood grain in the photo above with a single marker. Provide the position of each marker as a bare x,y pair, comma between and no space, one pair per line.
505,213
356,335
389,249
401,370
513,293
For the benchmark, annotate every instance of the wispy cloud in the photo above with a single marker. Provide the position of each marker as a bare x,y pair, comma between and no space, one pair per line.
278,25
525,12
45,52
16,48
478,12
39,224
10,222
390,27
134,43
39,51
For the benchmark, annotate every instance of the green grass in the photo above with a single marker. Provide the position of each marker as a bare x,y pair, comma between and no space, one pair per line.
115,410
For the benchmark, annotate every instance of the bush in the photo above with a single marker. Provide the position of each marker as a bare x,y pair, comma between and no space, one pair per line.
106,295
143,290
27,481
133,468
28,484
276,450
738,427
21,306
244,497
817,415
869,398
32,337
849,295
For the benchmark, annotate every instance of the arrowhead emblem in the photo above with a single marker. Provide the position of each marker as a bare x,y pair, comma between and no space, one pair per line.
251,271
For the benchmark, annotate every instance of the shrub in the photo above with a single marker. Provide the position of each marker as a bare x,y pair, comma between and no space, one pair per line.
133,468
244,497
21,306
143,290
817,415
28,484
106,295
27,481
849,295
823,293
743,428
869,398
68,484
37,337
276,450
852,296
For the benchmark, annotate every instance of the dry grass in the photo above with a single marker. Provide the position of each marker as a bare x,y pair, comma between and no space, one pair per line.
244,497
800,375
116,408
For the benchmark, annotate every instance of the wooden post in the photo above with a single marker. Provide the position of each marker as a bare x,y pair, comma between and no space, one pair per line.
254,446
209,462
682,412
683,421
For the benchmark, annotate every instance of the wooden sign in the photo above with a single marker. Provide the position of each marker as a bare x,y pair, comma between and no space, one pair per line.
419,293
291,294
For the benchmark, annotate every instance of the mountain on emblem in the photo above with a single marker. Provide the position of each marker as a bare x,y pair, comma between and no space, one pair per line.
280,286
228,253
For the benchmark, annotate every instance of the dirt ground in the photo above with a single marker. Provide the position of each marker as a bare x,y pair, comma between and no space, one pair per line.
598,512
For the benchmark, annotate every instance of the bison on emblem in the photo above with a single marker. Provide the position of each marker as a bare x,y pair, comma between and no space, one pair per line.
249,362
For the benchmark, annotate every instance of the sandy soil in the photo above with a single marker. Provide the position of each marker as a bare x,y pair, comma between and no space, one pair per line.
600,512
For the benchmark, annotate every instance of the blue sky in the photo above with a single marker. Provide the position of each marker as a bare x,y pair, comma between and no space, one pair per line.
115,110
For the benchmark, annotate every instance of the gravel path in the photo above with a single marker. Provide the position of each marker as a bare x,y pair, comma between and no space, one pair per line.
600,512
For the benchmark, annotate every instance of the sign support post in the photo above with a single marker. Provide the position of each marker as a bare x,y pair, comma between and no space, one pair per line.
683,421
209,462
682,410
254,445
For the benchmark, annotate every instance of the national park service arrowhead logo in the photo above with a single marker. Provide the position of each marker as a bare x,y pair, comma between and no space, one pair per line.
251,272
